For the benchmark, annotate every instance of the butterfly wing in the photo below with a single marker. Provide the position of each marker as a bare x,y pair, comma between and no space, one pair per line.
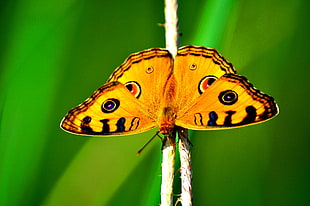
111,110
196,68
130,100
230,102
145,75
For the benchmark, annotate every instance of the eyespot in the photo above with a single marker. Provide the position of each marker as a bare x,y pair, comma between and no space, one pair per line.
205,83
228,97
149,69
193,66
110,105
134,88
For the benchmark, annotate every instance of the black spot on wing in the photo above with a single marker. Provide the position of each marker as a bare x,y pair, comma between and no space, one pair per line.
212,119
120,125
251,115
105,126
85,125
228,118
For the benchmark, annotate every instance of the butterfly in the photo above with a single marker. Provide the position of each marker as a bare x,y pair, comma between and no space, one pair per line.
198,89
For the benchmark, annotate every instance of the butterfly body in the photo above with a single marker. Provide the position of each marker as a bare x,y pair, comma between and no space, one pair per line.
198,90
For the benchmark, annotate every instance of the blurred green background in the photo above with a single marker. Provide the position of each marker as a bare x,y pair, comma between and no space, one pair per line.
54,54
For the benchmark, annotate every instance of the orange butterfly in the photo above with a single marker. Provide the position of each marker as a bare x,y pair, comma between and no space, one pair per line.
197,90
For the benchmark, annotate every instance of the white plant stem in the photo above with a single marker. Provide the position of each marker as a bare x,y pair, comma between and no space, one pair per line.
168,160
186,171
171,26
169,148
168,151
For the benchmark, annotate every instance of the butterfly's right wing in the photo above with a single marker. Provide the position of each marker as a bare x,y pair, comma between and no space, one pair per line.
229,103
195,69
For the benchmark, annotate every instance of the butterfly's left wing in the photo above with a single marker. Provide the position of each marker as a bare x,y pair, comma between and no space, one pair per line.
145,74
111,110
231,101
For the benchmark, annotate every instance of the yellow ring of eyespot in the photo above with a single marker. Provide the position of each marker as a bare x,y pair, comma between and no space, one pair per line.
193,66
115,103
149,69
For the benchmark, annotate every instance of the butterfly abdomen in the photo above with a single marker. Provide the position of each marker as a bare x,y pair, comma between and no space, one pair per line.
167,120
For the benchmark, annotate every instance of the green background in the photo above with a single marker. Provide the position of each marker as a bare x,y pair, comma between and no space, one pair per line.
54,54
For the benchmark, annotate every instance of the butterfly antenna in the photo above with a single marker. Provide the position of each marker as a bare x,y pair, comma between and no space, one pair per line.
148,142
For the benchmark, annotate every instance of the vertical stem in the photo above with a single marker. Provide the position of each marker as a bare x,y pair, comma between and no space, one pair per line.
168,170
186,171
171,26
